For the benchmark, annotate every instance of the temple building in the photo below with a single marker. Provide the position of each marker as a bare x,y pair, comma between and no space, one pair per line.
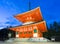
33,24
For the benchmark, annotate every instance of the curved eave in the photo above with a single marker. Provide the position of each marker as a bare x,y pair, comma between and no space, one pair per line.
21,17
40,25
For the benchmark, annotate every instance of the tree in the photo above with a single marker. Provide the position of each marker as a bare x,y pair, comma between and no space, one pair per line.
54,30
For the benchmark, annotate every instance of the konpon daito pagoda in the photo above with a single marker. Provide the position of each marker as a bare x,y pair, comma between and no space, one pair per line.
33,24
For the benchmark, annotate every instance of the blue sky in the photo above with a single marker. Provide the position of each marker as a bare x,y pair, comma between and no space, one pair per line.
8,8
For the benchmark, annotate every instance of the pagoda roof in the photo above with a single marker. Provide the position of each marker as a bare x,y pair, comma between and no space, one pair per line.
32,15
40,25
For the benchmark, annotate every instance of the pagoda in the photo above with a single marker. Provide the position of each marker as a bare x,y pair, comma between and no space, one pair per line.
33,24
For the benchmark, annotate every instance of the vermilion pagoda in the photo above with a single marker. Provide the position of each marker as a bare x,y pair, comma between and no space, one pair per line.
33,24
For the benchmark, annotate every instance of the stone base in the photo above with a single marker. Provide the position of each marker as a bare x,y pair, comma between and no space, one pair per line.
32,39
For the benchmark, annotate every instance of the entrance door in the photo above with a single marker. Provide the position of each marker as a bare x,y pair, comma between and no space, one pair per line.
35,34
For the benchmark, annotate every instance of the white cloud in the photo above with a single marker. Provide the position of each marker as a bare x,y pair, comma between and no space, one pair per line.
1,27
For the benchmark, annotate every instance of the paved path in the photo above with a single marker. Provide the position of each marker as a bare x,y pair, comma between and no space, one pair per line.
29,42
